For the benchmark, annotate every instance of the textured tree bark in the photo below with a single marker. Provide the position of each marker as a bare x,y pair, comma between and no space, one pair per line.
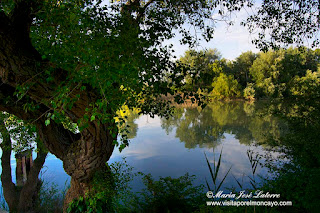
20,64
82,154
85,157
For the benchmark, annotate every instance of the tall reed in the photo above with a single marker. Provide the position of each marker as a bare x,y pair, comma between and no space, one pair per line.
214,173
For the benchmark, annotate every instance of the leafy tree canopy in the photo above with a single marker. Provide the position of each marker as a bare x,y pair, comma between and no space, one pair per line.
200,74
241,67
285,22
274,71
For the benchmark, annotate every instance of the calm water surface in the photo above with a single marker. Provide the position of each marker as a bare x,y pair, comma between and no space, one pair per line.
176,146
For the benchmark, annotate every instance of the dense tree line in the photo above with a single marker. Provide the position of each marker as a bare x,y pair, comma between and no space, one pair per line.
271,74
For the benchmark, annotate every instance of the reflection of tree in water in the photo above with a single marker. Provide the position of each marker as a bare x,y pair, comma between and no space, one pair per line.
193,128
129,117
198,129
206,127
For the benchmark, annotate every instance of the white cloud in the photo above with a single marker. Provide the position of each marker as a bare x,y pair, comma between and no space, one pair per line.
231,41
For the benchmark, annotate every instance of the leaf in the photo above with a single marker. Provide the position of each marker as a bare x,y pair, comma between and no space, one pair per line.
223,179
47,122
207,185
210,169
237,181
218,166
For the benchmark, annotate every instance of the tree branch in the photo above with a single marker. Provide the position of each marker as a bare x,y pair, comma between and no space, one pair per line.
55,136
8,103
143,9
31,188
9,188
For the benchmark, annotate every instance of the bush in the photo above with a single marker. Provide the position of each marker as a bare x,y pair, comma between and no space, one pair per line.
170,195
109,191
225,86
249,92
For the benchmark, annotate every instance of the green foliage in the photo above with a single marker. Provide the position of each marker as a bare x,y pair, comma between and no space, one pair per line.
306,87
110,189
50,198
270,74
83,43
92,52
225,86
126,127
200,72
265,72
249,92
241,67
22,133
285,22
170,195
111,193
273,72
254,159
297,179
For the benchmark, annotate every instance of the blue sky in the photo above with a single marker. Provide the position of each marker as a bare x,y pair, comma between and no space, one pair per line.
231,41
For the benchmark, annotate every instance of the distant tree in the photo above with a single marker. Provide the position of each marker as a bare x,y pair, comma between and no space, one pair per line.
265,72
225,86
305,91
273,71
200,74
296,62
249,92
241,67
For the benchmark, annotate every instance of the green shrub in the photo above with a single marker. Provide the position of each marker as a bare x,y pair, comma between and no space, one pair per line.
170,195
249,92
225,86
109,191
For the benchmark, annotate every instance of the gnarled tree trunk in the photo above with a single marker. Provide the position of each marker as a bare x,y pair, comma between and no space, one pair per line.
20,64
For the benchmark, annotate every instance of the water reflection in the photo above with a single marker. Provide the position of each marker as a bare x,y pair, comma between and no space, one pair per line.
174,146
206,128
